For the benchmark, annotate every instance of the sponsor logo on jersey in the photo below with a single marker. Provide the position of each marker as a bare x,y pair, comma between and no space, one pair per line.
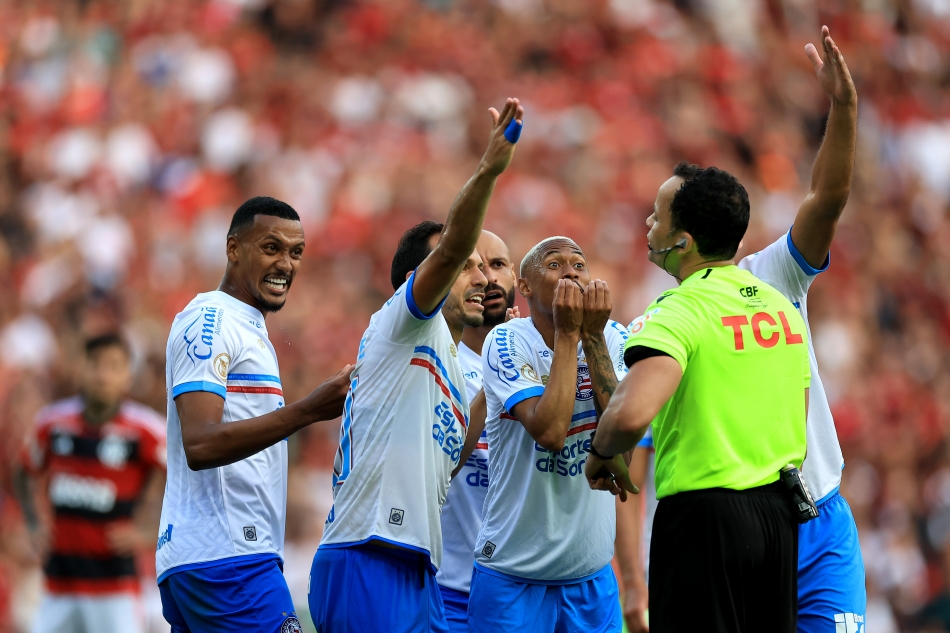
221,363
200,333
113,452
84,493
637,324
478,475
570,460
849,623
447,434
164,538
505,366
585,389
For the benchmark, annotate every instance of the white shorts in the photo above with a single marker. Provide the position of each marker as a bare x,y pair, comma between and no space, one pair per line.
74,613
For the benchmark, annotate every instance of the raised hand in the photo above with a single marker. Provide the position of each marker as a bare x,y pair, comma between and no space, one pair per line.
512,313
597,307
568,308
832,72
326,401
500,149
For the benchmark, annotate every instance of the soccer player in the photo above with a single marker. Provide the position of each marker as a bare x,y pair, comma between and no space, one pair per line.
100,460
405,423
543,554
462,511
831,588
221,541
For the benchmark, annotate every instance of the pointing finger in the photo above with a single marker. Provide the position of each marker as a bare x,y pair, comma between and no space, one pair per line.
813,56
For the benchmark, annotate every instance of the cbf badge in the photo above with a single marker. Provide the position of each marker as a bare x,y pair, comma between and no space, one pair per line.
291,625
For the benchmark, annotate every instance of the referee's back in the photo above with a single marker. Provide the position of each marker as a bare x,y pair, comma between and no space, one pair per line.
734,421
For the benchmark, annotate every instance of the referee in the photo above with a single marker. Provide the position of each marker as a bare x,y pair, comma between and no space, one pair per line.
720,366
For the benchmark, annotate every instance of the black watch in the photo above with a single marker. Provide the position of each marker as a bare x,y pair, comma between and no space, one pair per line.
593,451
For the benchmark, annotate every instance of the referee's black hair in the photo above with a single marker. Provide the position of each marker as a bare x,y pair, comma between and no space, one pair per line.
110,339
261,205
412,250
713,207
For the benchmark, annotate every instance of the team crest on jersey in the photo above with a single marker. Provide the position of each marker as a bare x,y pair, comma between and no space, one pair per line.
291,625
221,364
585,389
113,452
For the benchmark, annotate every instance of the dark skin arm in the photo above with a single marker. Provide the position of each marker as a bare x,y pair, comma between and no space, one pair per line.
435,276
478,411
547,418
817,218
209,444
597,307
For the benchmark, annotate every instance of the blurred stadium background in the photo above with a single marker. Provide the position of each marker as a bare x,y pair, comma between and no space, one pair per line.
131,129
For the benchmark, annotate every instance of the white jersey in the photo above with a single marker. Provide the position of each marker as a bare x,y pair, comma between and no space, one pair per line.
542,521
219,344
781,266
462,512
403,427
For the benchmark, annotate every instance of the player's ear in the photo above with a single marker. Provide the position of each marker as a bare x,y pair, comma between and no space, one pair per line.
409,274
523,287
684,242
232,249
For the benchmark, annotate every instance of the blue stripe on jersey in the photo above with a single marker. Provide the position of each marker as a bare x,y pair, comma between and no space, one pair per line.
414,309
521,396
345,452
199,385
804,265
584,414
255,377
438,363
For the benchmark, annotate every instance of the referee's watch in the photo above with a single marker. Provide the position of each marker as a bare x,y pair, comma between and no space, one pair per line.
593,451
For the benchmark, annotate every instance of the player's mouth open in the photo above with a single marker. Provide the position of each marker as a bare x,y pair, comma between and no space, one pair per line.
494,295
278,284
475,300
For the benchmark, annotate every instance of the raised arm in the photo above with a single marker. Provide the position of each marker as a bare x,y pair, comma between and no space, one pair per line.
208,443
597,307
547,418
435,276
817,218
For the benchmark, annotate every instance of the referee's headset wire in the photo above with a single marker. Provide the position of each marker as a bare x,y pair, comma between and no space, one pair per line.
681,244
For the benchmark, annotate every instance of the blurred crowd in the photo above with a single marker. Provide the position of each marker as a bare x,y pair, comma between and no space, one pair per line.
130,130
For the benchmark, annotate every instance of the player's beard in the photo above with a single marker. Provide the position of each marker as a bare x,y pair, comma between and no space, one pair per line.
496,316
454,310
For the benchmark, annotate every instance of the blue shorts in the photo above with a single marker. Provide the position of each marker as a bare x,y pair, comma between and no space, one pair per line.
245,593
456,609
830,571
501,603
367,588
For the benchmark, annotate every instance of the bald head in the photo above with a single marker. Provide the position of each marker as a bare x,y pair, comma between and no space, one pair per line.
533,261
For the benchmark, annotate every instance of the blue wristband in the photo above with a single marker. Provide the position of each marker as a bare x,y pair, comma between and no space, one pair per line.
513,131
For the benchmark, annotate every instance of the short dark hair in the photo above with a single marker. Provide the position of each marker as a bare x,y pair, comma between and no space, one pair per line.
261,205
412,250
713,207
110,339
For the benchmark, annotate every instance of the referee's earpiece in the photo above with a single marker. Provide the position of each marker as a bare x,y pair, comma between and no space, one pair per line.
681,244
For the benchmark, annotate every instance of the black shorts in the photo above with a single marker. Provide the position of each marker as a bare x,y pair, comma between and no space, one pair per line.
724,561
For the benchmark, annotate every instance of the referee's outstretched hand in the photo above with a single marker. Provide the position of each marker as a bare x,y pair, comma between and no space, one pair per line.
568,308
500,149
610,475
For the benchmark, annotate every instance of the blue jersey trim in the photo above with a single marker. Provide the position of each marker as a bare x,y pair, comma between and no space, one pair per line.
246,558
805,266
828,497
413,548
255,377
645,442
521,396
199,385
414,309
550,583
423,349
584,414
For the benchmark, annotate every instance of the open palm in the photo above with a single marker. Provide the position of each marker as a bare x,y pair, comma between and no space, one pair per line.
833,74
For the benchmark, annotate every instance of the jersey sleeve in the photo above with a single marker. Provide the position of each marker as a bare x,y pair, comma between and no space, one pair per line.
647,440
616,337
203,350
669,328
400,319
507,367
781,266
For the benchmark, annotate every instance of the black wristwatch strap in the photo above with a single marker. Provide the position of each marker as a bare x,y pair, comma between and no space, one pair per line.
593,451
